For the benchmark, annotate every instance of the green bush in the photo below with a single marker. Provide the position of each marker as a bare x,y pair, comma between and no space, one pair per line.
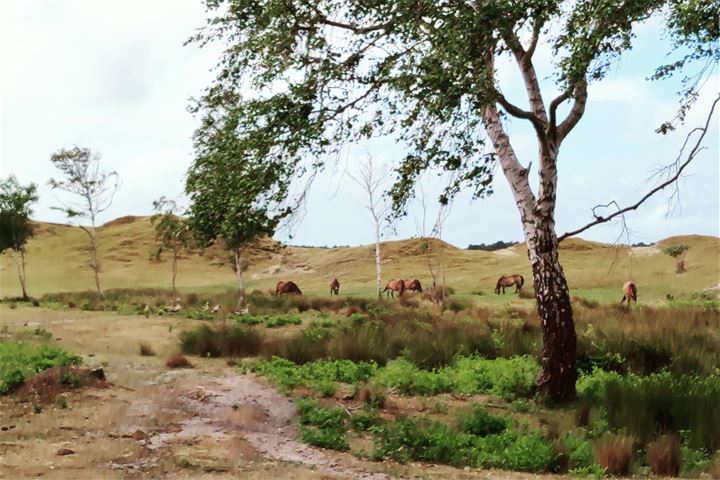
420,439
513,451
315,375
480,423
322,427
18,360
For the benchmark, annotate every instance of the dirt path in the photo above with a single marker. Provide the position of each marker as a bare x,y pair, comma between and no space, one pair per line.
221,408
208,422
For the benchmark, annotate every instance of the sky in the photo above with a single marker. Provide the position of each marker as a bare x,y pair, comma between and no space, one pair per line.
115,77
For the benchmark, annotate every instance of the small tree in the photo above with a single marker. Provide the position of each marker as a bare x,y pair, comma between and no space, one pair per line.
15,226
678,253
172,233
81,176
231,196
376,203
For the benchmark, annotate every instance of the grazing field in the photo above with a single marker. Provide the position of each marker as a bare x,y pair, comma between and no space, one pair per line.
57,262
315,386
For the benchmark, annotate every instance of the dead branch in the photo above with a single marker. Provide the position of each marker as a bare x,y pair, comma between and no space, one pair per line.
697,148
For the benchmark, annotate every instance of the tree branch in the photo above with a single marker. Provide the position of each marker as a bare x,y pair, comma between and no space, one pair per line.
697,147
518,112
576,112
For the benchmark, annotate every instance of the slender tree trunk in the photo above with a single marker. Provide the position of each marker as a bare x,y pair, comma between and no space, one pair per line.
94,260
241,304
378,261
557,374
20,263
174,273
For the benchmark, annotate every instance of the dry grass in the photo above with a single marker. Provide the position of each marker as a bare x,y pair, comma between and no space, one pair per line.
614,454
55,261
178,360
665,456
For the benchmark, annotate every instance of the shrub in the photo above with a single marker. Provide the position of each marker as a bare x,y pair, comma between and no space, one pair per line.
364,419
420,439
19,360
326,425
69,379
234,340
324,438
480,423
146,350
178,360
514,451
665,456
614,454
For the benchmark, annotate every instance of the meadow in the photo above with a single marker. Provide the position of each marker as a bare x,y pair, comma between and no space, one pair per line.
394,388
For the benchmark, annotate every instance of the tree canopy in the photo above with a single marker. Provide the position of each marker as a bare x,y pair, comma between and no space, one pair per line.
300,79
15,211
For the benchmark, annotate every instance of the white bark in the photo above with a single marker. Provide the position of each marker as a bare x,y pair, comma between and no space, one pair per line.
241,304
20,264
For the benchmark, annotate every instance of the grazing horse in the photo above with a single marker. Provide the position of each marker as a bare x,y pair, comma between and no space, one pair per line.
629,292
334,287
413,285
287,288
509,281
394,286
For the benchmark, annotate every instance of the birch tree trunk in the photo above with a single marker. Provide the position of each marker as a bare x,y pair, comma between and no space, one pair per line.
557,374
20,263
241,304
94,260
378,261
174,272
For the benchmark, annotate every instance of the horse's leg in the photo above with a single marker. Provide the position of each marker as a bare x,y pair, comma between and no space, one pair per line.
623,300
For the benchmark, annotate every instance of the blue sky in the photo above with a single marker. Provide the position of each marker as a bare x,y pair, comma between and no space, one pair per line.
115,77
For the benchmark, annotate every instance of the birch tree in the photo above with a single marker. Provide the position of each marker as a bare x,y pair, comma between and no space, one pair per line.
15,226
372,182
323,73
172,234
233,202
95,189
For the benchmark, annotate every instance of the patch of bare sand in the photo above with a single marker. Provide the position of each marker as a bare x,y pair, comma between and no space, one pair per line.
644,251
224,407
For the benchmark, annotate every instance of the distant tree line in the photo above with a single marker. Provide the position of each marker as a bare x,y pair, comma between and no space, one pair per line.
490,247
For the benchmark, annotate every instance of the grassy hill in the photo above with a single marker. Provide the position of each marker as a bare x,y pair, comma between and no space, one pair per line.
57,261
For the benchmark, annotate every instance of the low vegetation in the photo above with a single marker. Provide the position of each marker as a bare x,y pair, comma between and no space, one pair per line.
20,360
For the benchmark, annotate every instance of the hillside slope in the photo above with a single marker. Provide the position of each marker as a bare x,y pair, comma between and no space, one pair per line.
56,260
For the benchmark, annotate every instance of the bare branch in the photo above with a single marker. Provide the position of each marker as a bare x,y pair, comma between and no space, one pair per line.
697,148
576,112
518,112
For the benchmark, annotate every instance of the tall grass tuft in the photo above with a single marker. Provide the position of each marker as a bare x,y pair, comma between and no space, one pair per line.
235,340
614,454
665,456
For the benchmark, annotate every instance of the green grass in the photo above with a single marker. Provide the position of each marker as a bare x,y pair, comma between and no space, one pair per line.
19,360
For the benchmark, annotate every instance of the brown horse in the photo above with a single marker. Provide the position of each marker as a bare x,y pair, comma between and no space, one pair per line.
629,292
509,281
394,286
287,288
413,285
334,287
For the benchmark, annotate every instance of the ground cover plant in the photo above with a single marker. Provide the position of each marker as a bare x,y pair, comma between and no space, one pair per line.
20,360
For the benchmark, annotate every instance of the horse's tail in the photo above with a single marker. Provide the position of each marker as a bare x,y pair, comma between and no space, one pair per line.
522,280
633,289
497,285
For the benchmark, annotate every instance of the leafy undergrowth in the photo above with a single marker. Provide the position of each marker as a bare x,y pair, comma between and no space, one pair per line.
19,360
508,378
